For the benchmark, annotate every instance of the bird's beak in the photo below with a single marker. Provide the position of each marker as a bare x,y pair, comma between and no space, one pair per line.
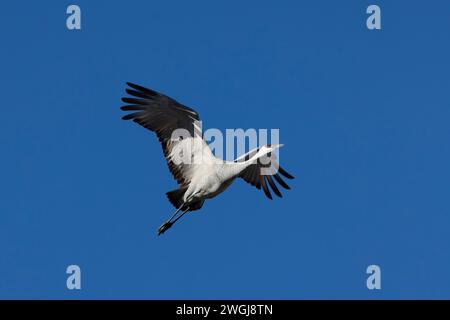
274,147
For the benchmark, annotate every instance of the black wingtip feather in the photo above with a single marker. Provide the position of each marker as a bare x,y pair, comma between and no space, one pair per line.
133,107
265,188
273,186
137,94
281,182
284,173
142,89
134,101
131,116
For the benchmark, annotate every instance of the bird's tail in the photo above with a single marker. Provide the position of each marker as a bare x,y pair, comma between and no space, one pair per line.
176,197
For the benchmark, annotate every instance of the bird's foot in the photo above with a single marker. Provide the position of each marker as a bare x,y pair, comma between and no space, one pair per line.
166,225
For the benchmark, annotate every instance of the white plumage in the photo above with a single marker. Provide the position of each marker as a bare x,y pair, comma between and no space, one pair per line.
200,174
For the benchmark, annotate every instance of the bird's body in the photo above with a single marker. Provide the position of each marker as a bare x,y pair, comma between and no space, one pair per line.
200,174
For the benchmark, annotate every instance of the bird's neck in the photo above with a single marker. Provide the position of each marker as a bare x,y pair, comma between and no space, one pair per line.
234,169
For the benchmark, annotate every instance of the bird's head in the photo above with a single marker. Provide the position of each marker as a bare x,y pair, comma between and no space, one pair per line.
271,147
267,150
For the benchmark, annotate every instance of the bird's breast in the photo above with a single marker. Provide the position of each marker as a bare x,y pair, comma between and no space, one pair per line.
210,185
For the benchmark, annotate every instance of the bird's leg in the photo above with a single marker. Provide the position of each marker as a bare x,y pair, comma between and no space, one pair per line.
169,223
170,219
178,218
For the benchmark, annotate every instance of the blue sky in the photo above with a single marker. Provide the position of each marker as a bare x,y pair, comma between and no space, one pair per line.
363,115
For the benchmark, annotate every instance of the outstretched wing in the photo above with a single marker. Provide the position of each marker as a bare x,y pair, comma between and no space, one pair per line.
264,172
162,115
